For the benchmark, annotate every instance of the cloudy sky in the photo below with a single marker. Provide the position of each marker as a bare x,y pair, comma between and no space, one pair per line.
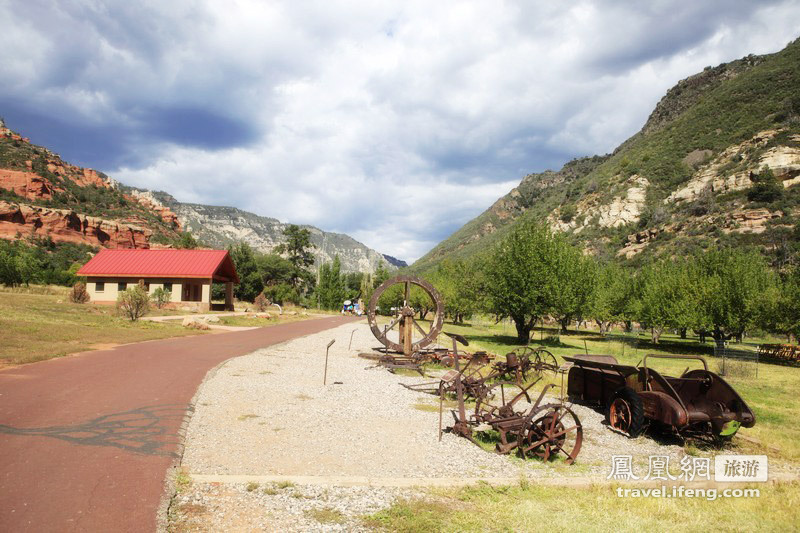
394,122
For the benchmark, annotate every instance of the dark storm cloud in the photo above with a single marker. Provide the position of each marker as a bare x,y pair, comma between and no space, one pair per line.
393,122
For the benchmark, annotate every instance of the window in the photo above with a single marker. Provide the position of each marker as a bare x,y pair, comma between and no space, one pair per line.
121,286
99,286
168,286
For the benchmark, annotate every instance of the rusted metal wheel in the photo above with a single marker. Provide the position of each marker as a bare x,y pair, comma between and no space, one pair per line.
405,320
551,431
501,400
626,412
544,363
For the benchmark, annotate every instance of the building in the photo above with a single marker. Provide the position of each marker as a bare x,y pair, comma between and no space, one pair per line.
187,274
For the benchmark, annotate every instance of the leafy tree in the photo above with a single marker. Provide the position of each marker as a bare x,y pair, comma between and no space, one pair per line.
331,289
611,296
250,281
666,297
459,284
733,284
297,248
519,273
572,283
783,312
186,241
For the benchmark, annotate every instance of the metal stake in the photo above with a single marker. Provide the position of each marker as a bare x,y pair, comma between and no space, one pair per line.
327,349
351,340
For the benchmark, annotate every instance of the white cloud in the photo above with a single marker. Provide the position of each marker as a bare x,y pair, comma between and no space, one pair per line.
392,122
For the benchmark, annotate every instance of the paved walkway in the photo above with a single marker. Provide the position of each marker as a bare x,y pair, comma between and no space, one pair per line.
85,441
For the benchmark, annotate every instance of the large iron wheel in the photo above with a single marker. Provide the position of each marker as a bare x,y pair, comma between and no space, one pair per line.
406,314
551,431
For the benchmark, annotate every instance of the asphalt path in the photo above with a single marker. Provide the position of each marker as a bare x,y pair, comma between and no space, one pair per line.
86,440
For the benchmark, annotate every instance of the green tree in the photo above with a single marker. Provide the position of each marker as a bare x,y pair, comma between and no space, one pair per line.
572,282
458,283
250,281
186,241
331,288
611,296
297,249
519,272
733,285
766,187
666,297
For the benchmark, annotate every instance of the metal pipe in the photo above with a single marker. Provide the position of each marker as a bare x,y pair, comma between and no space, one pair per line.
327,349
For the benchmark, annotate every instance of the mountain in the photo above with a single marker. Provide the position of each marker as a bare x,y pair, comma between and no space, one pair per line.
219,226
717,163
43,196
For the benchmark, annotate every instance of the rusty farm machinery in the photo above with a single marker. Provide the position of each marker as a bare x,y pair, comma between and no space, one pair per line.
498,391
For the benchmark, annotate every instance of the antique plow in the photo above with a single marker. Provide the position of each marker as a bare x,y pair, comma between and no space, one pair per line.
535,430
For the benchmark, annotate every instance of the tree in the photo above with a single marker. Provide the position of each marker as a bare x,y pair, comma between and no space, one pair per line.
733,284
250,281
331,289
297,248
186,241
573,279
458,283
782,314
518,273
666,297
611,296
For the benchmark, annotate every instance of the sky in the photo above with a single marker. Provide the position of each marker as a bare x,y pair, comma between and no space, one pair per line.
394,122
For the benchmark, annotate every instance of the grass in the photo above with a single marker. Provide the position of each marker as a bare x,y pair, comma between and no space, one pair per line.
326,515
40,323
547,508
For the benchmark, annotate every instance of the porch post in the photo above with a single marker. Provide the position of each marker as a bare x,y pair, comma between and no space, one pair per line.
229,295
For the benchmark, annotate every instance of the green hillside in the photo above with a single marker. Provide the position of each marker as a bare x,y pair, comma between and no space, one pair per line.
692,177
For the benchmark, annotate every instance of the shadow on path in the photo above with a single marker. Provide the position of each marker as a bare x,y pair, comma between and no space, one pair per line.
141,430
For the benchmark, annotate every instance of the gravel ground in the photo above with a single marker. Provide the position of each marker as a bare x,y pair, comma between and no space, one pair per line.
267,413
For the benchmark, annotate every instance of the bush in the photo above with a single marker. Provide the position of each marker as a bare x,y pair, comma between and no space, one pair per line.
161,297
261,302
78,293
133,303
766,187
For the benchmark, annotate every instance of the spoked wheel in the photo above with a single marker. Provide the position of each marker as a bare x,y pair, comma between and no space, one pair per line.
551,431
501,400
626,412
404,322
544,363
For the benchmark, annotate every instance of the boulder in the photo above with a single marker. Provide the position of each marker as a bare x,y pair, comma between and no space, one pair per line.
194,322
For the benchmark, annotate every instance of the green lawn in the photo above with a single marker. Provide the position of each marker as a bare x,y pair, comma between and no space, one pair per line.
41,323
533,508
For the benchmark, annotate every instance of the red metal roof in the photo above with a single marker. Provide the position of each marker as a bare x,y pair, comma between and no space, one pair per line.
162,264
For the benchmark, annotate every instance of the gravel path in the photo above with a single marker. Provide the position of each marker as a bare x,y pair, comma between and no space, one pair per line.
267,413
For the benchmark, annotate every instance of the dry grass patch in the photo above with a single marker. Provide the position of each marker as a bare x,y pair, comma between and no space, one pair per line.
43,323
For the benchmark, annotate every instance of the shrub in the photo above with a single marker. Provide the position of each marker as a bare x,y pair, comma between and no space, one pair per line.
133,303
766,187
78,293
161,297
261,302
